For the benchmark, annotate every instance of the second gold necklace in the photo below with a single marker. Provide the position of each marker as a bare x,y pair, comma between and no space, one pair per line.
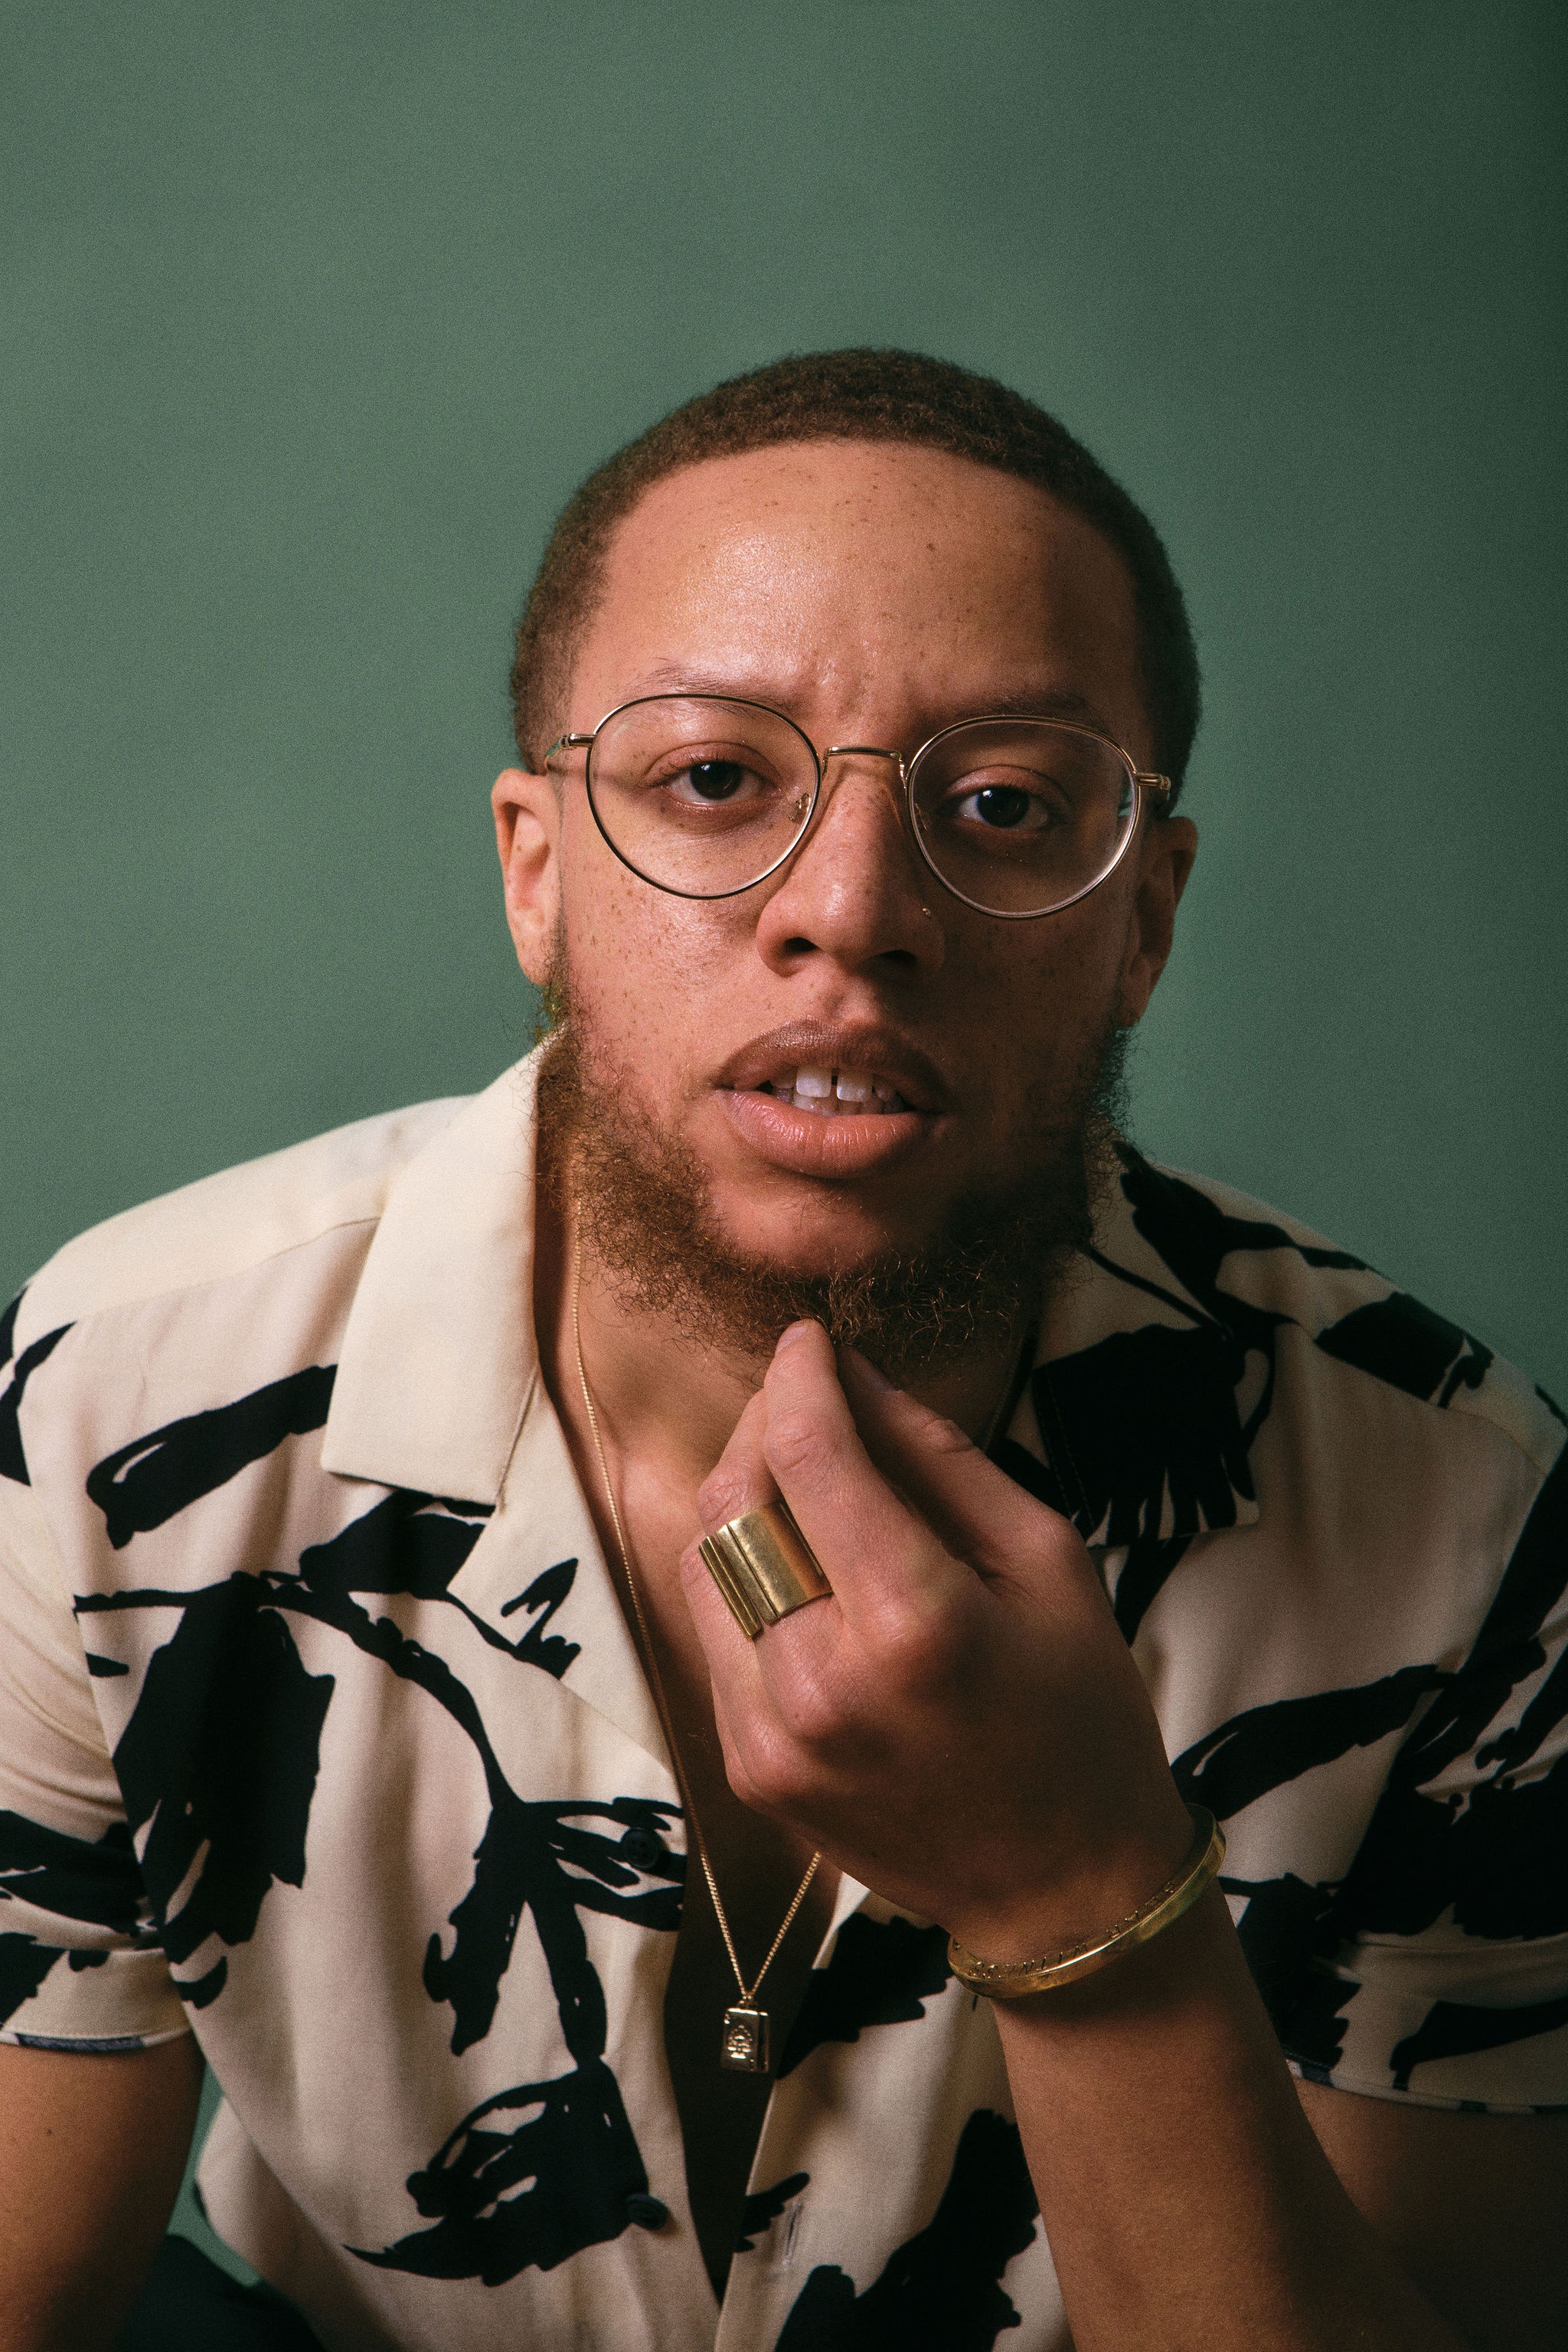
743,2041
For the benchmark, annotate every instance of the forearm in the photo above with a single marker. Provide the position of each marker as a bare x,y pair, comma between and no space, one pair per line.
1187,2203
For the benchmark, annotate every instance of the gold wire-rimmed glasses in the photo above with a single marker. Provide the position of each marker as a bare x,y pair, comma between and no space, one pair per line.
707,795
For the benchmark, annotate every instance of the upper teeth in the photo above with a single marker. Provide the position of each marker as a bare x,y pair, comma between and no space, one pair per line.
821,1090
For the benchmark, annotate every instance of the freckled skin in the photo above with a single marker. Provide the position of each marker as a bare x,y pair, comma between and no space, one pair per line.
875,593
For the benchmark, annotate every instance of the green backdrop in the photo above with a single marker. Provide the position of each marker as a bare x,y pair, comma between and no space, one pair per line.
314,314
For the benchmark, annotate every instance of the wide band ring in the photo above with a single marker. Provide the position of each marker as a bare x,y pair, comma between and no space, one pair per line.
764,1567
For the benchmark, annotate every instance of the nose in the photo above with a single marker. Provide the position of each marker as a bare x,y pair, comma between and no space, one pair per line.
856,890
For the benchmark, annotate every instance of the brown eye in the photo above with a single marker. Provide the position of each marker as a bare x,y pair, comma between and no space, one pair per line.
716,779
1001,805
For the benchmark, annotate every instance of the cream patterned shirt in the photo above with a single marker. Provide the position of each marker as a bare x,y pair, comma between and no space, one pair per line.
321,1737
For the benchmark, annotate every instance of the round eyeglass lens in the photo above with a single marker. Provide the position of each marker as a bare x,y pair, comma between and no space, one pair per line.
1021,816
702,796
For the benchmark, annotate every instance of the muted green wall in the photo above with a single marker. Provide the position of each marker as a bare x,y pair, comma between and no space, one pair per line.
314,314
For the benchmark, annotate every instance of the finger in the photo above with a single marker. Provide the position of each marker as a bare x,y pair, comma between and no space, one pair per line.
731,1662
752,1735
980,1512
868,1541
741,1478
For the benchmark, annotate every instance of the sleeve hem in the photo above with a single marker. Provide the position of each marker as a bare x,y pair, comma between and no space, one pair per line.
95,2045
1338,2080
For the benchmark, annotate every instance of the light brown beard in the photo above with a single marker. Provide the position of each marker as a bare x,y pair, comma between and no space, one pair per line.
642,1206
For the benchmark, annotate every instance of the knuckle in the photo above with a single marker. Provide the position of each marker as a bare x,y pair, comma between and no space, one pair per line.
914,1646
940,1435
797,1438
813,1709
772,1773
724,1493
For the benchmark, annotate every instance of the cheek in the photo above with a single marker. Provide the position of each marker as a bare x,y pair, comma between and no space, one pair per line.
1038,989
643,970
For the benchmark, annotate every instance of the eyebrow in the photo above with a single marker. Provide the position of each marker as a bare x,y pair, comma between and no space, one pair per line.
1023,702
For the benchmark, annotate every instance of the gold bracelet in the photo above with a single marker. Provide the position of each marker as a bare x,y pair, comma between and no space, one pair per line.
1012,1979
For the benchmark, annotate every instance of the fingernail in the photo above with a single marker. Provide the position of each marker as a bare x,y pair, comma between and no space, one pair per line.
795,1331
873,1376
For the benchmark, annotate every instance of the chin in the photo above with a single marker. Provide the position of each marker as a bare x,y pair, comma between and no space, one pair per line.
816,1238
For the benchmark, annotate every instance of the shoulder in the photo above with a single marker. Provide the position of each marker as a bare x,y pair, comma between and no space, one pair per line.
228,1225
1263,1275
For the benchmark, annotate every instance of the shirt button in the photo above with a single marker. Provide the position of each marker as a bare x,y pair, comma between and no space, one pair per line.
648,2212
642,1847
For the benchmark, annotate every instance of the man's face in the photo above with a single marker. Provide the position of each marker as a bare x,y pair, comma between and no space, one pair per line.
875,593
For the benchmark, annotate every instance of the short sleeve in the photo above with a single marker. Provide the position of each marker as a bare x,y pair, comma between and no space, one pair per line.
1448,1982
82,1966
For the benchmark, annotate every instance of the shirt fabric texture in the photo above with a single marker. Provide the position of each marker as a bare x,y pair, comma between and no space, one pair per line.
322,1736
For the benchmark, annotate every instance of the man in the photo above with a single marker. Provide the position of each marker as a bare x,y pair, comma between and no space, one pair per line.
578,1967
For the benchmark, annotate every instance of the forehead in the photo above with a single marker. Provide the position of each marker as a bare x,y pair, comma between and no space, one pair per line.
832,577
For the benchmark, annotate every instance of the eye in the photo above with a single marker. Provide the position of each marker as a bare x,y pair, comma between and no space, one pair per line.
709,779
1003,808
715,782
1001,804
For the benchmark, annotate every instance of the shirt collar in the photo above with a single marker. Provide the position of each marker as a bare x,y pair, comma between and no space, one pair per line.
439,1355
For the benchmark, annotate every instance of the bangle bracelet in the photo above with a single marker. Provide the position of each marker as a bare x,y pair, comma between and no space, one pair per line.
1011,1980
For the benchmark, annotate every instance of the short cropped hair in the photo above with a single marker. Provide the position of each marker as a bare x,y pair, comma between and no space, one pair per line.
854,395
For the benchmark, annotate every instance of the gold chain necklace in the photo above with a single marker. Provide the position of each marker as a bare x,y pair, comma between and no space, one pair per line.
743,2041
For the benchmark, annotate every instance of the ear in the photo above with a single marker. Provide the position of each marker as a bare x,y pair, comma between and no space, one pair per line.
1169,848
528,837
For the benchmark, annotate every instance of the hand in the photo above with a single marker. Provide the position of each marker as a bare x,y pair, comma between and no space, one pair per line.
960,1725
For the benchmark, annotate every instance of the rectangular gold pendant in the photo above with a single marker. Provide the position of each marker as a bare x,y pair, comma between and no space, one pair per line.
744,2045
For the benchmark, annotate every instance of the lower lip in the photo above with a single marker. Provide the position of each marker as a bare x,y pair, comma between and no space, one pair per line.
825,1144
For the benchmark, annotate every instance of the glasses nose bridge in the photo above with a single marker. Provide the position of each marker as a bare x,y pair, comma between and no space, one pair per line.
899,795
862,751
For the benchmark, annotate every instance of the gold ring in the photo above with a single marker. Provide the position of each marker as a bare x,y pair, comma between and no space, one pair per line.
764,1567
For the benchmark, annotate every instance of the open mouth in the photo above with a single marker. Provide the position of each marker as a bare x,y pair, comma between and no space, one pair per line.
835,1094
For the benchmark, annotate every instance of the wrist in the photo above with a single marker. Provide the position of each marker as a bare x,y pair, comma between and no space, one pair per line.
1086,1956
1081,1899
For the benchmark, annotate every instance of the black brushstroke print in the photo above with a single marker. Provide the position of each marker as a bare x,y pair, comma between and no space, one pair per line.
1452,2028
539,1856
879,1973
1140,1413
941,2291
414,1543
547,1858
222,1752
140,1485
1285,1931
1148,1564
1264,1746
8,1329
24,1965
1314,2033
762,2208
198,1992
99,1883
1482,1854
502,2200
13,1460
1194,1235
1150,1559
1399,1340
